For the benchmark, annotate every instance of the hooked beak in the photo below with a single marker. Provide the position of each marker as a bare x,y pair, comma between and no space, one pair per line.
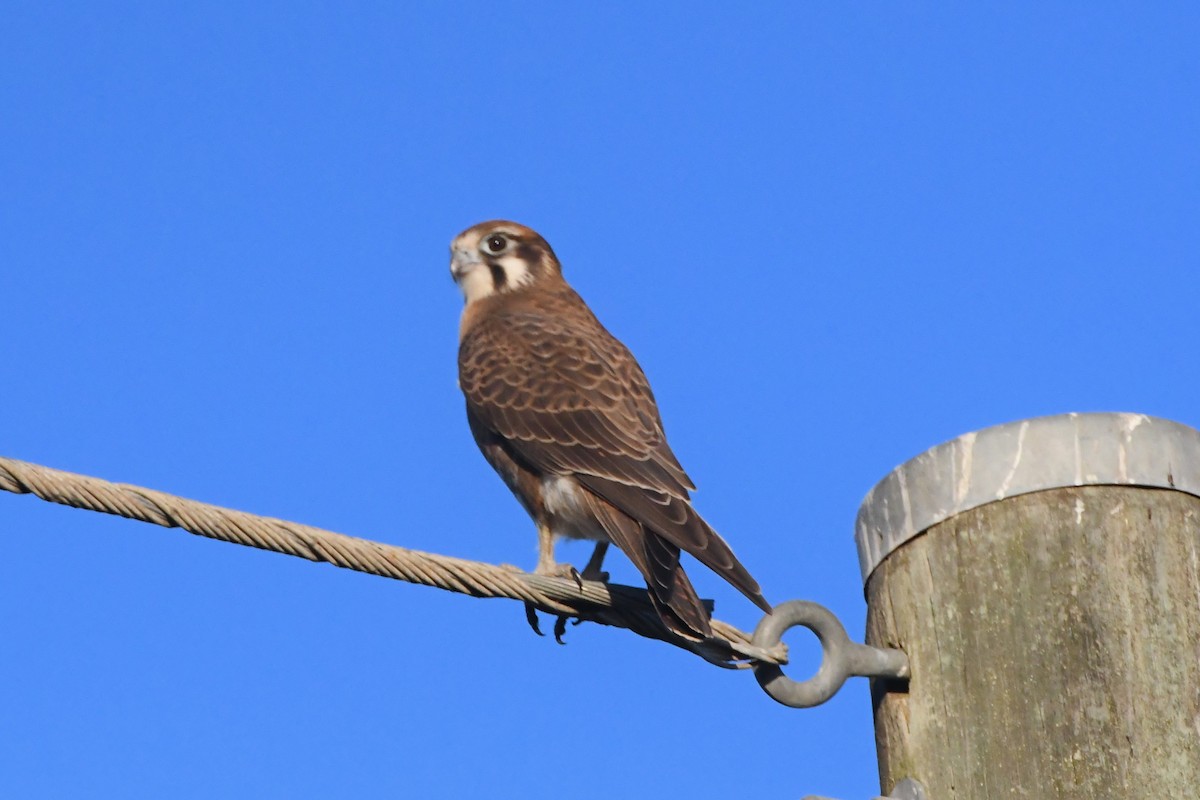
462,261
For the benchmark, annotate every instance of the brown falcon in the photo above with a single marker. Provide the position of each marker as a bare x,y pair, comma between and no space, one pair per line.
563,412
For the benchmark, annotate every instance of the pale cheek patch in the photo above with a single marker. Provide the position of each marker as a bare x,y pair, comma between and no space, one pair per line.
479,282
516,271
476,284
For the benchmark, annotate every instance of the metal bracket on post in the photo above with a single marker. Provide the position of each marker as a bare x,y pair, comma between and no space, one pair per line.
841,657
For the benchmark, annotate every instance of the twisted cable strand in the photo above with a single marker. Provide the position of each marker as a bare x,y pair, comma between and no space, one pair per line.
608,604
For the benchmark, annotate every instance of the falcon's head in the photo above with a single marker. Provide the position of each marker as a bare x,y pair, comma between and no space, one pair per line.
498,256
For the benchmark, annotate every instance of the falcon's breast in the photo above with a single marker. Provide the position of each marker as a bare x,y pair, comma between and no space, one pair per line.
565,397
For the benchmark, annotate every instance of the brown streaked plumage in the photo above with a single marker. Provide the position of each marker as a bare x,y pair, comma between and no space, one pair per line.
563,412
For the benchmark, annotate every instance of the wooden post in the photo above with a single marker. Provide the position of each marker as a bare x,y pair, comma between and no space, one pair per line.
1044,579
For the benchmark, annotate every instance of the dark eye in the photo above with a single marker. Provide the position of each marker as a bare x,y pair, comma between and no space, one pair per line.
495,243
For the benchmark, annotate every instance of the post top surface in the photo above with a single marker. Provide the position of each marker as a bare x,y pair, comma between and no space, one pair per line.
1020,457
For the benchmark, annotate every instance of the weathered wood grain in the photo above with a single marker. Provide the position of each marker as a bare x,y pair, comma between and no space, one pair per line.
1054,639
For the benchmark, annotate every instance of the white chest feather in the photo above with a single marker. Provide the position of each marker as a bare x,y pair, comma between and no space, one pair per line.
569,515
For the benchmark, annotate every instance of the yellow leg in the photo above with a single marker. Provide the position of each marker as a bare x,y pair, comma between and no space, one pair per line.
546,563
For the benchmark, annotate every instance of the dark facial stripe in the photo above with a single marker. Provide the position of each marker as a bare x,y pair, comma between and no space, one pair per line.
499,278
531,254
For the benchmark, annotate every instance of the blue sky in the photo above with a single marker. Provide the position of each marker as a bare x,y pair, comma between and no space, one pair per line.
835,235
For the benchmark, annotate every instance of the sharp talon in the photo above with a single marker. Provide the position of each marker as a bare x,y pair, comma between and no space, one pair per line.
560,628
532,618
577,621
578,578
